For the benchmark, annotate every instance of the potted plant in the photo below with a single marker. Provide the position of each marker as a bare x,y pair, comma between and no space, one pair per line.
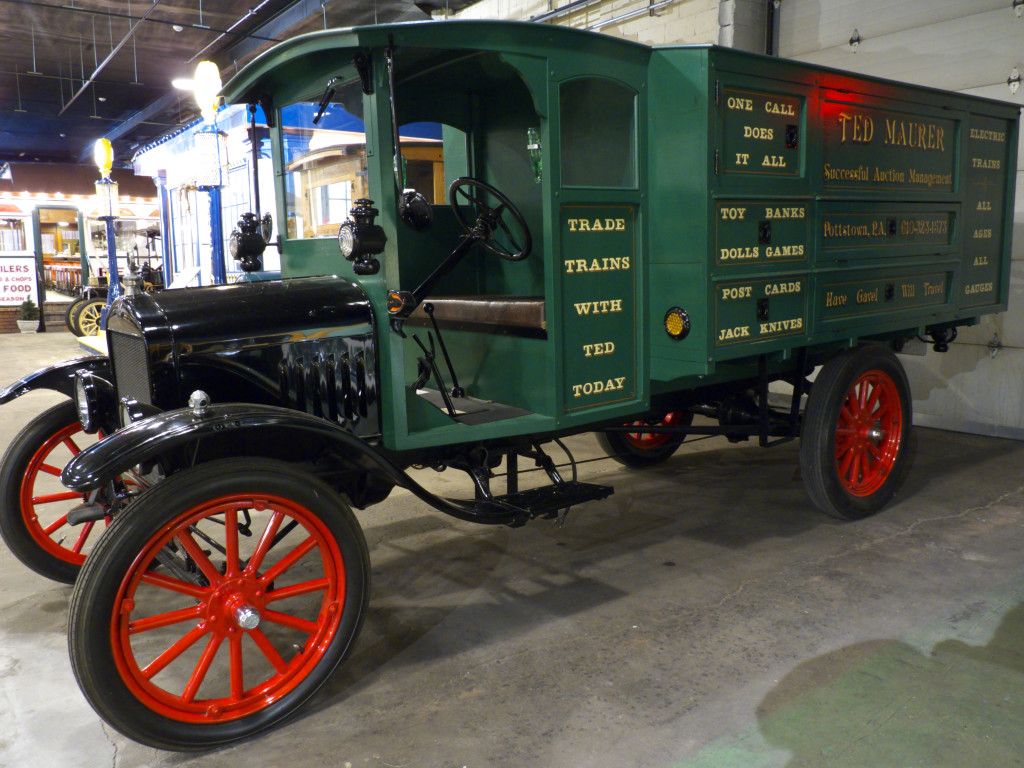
28,317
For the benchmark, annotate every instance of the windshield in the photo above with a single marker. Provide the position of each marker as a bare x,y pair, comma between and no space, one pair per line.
325,161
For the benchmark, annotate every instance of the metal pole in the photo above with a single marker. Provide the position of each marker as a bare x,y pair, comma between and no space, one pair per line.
113,278
218,268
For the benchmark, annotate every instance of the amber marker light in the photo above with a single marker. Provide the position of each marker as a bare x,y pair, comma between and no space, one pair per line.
677,323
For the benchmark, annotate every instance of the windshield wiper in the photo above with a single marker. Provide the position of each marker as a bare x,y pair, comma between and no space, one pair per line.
328,95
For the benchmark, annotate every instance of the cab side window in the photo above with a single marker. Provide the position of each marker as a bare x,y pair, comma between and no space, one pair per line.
598,134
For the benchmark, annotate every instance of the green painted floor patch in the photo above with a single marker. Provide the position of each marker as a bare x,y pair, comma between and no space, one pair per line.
883,703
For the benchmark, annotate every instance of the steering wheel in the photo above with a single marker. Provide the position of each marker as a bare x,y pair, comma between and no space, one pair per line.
492,229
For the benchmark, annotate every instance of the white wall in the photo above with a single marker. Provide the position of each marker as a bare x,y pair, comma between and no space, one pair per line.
963,45
683,21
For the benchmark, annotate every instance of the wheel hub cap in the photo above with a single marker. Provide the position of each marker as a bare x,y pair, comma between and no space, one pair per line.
247,617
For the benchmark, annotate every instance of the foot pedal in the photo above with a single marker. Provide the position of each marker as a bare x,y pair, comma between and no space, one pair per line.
86,513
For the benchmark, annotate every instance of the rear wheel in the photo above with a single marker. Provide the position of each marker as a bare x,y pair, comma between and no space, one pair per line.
70,312
644,449
222,600
855,439
86,318
33,503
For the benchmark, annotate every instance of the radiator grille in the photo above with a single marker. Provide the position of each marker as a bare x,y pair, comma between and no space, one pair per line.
129,356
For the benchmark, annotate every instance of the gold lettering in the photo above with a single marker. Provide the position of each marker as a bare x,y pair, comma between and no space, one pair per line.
835,299
596,350
756,132
597,387
598,307
741,292
728,334
733,214
744,105
776,289
867,297
778,326
732,254
782,251
982,135
785,213
978,288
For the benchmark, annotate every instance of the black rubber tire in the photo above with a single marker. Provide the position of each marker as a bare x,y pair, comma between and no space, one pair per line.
86,318
116,587
69,315
27,544
836,480
632,453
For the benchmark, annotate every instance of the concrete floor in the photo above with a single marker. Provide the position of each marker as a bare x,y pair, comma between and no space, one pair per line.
704,616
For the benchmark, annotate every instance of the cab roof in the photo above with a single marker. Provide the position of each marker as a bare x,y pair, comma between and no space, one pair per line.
304,55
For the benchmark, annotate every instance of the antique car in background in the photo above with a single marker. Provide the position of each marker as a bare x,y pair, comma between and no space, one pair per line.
542,232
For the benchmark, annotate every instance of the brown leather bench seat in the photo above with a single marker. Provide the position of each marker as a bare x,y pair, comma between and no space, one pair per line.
511,315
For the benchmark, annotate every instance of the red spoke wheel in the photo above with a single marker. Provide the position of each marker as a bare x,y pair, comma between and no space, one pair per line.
856,433
33,515
644,449
222,599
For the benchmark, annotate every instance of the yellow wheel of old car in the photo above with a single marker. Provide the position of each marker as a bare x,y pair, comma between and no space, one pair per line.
88,317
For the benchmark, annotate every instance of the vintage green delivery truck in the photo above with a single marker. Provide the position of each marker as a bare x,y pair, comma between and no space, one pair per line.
492,235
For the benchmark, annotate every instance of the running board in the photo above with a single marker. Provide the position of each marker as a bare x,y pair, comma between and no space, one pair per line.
545,501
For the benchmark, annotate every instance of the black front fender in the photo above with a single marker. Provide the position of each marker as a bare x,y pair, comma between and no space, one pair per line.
59,377
146,440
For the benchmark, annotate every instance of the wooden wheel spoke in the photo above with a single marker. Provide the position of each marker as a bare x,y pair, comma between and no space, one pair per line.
202,667
49,498
265,542
57,524
872,402
288,560
160,620
199,557
82,537
231,543
844,465
298,589
268,649
189,639
236,666
172,584
843,448
49,469
292,622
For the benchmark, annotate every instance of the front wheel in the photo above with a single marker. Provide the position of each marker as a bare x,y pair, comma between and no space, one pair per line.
855,439
220,602
34,505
